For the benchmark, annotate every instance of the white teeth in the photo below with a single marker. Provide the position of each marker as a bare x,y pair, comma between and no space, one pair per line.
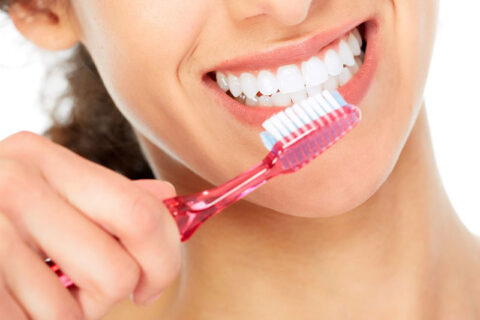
354,69
281,99
333,63
331,84
357,35
265,101
234,85
298,96
297,82
249,85
314,72
344,77
345,53
251,101
289,79
314,90
359,62
267,82
353,43
222,81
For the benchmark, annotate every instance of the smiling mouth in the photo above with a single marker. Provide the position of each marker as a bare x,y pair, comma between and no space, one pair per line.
332,67
253,88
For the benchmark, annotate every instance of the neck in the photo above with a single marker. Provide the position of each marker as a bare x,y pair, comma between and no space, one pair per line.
395,254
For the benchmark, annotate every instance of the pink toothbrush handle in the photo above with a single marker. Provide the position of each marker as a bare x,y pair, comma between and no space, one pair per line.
63,278
190,211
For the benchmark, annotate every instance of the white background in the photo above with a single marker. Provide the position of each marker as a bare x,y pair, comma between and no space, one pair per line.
451,94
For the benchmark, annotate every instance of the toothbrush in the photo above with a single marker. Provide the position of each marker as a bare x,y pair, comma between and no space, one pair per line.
293,137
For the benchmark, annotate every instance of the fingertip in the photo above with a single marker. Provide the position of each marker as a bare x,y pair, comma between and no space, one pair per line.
159,188
173,191
156,280
152,299
144,300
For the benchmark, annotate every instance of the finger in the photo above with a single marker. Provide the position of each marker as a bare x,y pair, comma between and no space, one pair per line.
137,217
160,189
101,268
9,308
30,282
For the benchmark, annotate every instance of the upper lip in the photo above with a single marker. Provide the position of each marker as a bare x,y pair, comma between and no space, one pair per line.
286,54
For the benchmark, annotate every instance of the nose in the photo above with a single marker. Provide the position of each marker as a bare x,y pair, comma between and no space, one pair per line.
287,12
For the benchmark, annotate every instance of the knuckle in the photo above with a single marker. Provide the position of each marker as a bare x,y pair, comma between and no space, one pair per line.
22,134
11,173
142,220
8,236
9,307
121,280
171,267
67,312
173,243
16,181
23,139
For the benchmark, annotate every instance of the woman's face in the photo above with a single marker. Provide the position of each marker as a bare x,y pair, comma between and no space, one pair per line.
159,60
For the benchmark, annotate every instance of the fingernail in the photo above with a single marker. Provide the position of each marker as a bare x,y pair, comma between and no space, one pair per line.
153,299
137,300
171,186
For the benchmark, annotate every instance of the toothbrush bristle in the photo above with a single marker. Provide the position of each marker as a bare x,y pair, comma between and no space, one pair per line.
300,133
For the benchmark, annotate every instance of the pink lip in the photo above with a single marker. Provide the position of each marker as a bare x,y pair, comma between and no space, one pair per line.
353,91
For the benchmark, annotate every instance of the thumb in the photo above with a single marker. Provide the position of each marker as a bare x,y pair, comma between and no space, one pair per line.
160,189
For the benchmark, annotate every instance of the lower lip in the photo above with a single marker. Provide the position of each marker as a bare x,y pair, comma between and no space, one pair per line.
353,91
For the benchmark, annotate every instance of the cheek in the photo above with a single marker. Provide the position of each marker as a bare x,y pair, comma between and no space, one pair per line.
138,49
414,31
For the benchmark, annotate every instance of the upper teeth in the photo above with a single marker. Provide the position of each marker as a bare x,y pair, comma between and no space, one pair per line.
331,68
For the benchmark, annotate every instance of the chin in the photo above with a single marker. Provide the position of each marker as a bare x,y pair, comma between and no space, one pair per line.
314,192
345,176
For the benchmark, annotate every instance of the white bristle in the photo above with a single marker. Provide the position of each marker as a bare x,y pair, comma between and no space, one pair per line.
298,116
267,139
325,105
279,125
302,114
322,103
287,122
333,102
309,110
294,117
314,104
271,128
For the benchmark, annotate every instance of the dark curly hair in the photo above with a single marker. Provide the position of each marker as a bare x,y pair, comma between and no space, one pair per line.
94,127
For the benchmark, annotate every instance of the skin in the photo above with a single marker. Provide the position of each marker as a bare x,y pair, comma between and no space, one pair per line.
371,238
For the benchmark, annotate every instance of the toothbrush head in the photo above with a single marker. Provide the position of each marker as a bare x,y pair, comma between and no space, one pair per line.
300,133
